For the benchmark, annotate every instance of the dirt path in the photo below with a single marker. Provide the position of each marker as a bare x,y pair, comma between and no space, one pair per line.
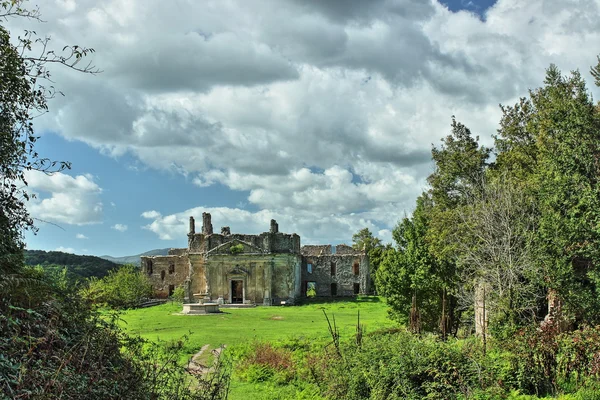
196,367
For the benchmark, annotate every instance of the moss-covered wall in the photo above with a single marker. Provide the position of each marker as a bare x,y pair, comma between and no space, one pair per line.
270,276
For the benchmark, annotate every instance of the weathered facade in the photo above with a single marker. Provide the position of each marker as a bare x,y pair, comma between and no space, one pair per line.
269,268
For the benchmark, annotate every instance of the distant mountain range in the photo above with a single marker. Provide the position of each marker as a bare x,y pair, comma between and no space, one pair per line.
135,260
78,266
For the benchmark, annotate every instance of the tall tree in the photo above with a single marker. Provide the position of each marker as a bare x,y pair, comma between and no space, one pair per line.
25,88
407,276
550,145
460,165
499,274
567,128
365,241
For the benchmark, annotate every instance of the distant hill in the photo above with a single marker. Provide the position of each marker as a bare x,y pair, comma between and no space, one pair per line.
135,260
79,266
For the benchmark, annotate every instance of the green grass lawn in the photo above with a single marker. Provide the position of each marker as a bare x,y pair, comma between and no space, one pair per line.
236,326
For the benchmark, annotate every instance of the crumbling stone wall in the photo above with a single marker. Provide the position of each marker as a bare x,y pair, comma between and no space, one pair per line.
272,266
177,252
165,272
344,272
268,242
316,250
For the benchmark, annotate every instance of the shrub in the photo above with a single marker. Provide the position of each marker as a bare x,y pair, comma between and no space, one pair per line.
125,287
178,294
236,249
264,362
52,345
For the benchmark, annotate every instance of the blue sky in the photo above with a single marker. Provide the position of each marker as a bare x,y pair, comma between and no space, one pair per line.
318,114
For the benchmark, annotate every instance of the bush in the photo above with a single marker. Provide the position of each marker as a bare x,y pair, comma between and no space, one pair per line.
125,287
264,362
235,249
178,294
52,345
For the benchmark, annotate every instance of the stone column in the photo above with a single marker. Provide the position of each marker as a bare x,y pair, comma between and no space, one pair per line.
207,227
274,226
192,226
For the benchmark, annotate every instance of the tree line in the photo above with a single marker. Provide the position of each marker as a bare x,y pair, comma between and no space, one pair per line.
506,236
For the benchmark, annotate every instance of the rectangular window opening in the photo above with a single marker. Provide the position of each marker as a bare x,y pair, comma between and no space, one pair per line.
355,268
311,289
356,288
149,267
171,268
309,268
334,289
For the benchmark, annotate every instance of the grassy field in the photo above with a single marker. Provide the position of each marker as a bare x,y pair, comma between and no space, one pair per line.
236,326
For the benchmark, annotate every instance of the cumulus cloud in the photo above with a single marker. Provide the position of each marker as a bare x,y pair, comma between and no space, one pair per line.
312,228
81,236
64,199
150,214
119,227
320,111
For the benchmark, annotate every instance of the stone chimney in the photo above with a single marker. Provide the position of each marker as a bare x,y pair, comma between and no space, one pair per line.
192,226
225,231
207,228
274,226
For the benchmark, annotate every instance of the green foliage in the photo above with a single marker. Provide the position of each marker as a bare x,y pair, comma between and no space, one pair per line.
236,249
52,345
23,95
522,226
126,287
364,240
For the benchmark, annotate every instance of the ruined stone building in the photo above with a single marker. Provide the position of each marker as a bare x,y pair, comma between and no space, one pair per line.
269,268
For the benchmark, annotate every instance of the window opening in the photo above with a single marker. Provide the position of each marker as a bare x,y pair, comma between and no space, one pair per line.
162,275
171,268
311,289
149,267
355,269
356,288
334,289
309,268
171,290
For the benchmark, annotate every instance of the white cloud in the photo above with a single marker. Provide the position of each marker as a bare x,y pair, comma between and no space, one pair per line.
81,236
150,214
310,108
119,227
64,199
311,228
65,249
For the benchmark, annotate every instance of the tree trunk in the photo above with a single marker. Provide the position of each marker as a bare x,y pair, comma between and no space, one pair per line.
414,315
444,321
